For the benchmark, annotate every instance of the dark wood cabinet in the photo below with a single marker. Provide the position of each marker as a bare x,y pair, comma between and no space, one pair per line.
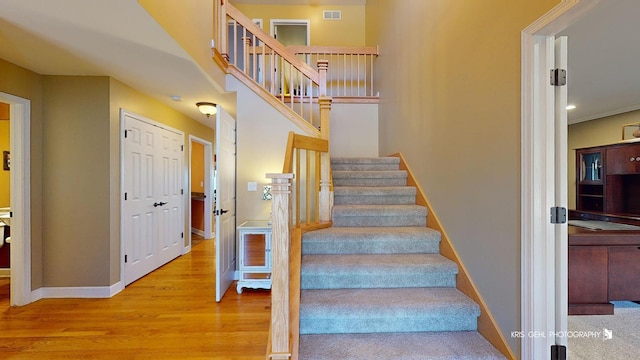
591,195
604,265
588,280
608,179
624,273
623,159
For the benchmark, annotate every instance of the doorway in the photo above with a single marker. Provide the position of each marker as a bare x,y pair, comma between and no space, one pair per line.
20,180
542,178
292,32
201,217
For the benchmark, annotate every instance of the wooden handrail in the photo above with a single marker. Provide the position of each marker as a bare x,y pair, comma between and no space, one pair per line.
275,45
304,169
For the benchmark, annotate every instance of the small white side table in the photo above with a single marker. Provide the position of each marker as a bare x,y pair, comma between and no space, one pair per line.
254,252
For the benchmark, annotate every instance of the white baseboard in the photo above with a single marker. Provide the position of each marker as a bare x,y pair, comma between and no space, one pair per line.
197,231
90,292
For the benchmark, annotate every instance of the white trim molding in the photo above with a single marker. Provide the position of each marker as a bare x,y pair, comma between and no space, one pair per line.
538,176
20,117
85,292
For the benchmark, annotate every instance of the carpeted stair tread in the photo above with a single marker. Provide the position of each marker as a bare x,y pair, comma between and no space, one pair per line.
374,195
380,163
459,345
379,215
377,271
370,178
371,240
386,310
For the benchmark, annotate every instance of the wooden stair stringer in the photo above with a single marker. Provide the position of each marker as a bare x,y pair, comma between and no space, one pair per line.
487,325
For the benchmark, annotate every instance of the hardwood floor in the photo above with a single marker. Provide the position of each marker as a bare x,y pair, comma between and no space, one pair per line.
169,314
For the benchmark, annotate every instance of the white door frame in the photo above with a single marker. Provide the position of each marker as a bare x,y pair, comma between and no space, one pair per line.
285,22
20,118
539,176
208,196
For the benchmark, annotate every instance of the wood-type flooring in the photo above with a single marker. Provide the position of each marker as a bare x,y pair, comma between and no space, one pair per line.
168,314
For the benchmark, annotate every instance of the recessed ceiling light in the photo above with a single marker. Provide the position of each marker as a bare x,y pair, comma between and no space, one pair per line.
176,98
571,107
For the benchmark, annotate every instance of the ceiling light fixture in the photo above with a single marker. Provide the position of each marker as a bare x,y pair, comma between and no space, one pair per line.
207,108
571,107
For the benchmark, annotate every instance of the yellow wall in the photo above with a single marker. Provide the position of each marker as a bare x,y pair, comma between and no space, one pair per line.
449,79
123,96
197,167
197,184
4,111
5,175
350,31
26,84
596,132
190,23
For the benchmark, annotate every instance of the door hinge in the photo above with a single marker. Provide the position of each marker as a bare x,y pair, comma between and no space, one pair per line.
558,215
181,147
558,352
182,235
558,77
125,196
181,191
125,133
125,258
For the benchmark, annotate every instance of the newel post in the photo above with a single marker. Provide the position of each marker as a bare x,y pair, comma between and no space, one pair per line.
326,202
323,65
280,241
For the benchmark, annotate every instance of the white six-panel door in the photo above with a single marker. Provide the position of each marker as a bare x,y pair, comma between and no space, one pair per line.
226,201
153,203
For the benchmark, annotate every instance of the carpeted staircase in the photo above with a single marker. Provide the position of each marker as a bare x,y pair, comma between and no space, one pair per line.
374,285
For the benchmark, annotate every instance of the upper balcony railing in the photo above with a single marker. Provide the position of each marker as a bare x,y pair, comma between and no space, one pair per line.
350,69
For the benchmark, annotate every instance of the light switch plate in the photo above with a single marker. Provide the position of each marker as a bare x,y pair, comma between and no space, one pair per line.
252,186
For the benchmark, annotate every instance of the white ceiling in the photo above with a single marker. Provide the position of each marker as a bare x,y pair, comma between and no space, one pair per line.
604,61
118,38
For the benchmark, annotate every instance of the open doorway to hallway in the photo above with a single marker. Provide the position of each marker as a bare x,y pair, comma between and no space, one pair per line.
5,186
19,165
201,183
5,192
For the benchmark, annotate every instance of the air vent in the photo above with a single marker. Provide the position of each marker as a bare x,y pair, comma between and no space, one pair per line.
332,14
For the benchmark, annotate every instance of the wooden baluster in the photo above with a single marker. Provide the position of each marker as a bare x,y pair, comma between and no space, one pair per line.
280,237
234,38
262,67
247,43
254,62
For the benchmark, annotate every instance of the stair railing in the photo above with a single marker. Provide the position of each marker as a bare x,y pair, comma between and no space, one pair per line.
272,67
300,202
351,69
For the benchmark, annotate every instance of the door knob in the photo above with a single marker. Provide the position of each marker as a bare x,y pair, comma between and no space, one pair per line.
156,204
